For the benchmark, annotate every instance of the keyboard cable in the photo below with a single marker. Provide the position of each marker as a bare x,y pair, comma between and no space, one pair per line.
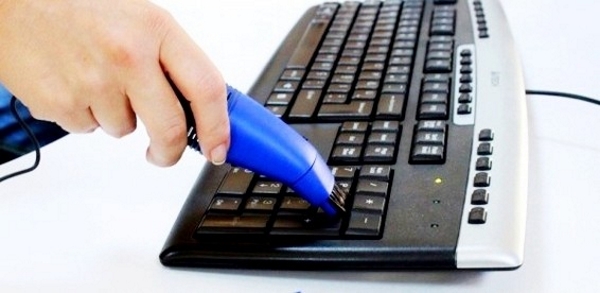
38,155
31,135
563,95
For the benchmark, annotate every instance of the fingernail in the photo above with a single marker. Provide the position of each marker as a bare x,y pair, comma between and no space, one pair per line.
218,155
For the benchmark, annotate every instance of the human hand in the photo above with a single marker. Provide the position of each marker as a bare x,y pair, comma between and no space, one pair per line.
98,63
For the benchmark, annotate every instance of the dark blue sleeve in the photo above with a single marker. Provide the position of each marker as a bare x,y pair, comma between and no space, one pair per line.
14,141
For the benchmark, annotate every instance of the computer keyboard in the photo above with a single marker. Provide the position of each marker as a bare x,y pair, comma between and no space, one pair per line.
418,107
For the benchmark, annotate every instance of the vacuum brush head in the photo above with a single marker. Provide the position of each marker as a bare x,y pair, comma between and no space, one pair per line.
263,143
337,198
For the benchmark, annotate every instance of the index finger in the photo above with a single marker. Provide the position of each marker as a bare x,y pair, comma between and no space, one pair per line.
202,85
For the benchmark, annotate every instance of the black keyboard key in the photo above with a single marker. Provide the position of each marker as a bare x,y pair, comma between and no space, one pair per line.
280,99
350,139
305,104
369,203
349,60
465,98
379,153
373,66
343,78
318,75
233,224
313,225
286,87
221,203
394,88
257,203
344,185
485,149
333,41
353,110
386,126
364,224
354,126
431,138
385,138
391,106
465,69
372,187
333,98
370,75
326,58
464,109
433,125
440,28
486,135
441,45
292,74
324,66
433,111
427,154
465,88
312,37
396,78
237,181
438,66
294,203
480,197
346,69
439,55
435,87
436,77
346,172
377,172
434,98
313,84
477,216
399,68
342,88
367,85
375,57
364,95
278,111
267,187
346,154
482,179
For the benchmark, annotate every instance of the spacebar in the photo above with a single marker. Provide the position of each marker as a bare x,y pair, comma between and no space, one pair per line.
355,110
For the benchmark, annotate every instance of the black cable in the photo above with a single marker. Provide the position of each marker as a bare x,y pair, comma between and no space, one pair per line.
563,95
13,104
38,155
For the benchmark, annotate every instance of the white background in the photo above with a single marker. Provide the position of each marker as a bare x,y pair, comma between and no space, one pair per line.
95,215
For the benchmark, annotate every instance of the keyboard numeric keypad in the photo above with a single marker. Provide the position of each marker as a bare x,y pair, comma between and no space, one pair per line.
270,209
380,145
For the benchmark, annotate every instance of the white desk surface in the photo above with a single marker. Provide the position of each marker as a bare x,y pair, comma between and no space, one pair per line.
95,215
